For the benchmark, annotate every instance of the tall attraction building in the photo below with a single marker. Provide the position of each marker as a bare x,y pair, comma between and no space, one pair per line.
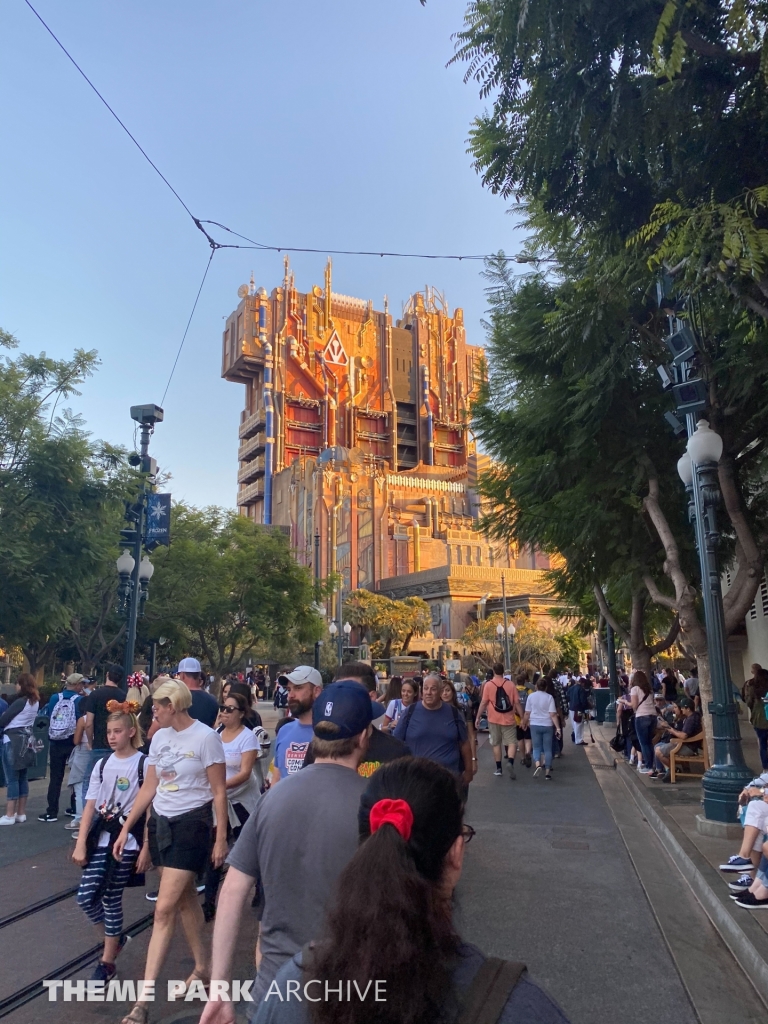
356,438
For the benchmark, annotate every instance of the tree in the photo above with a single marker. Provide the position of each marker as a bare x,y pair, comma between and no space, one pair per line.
389,624
227,588
482,639
532,647
60,494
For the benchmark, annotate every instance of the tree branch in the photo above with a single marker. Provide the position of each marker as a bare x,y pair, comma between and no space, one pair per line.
707,49
669,639
657,596
608,615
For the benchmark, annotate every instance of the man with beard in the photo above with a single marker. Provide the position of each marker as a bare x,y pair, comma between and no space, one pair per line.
304,685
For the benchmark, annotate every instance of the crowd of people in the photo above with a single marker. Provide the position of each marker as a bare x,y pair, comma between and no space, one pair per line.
359,785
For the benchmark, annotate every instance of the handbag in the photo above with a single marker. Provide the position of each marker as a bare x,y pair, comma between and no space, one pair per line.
24,748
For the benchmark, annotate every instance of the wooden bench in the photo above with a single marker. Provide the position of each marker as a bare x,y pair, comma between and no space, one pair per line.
701,758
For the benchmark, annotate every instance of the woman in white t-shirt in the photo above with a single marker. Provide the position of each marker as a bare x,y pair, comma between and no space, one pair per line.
185,783
409,694
644,708
243,790
541,718
15,724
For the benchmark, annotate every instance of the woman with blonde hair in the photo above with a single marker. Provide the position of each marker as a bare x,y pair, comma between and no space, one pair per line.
114,785
184,784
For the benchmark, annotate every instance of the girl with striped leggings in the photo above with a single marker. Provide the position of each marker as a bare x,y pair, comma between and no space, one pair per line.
114,784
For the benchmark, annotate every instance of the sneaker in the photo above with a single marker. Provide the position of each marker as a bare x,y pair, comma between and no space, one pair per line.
75,834
741,884
6,820
538,769
70,813
738,864
654,774
75,823
20,819
104,972
548,776
527,760
47,817
643,771
511,770
749,901
498,771
151,896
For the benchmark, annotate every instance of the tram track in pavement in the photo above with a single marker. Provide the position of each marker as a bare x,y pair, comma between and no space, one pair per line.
34,908
35,989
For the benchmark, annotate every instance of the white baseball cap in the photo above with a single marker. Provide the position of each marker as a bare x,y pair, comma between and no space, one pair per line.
189,665
303,674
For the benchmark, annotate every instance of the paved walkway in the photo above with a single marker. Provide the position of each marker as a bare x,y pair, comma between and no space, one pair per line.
548,880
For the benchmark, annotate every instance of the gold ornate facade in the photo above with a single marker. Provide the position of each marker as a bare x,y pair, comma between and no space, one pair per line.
356,429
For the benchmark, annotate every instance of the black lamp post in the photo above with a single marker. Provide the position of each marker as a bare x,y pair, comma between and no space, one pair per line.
610,711
723,782
134,569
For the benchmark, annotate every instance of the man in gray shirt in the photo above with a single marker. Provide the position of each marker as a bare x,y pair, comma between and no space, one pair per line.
297,841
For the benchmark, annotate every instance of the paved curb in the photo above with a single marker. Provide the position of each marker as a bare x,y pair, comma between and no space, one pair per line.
743,936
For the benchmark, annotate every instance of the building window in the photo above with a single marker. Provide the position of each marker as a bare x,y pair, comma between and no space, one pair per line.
458,554
469,555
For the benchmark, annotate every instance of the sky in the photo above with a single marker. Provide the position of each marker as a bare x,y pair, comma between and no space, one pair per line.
331,125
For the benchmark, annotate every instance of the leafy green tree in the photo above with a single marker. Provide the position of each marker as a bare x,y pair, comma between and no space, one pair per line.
532,647
60,494
388,624
227,588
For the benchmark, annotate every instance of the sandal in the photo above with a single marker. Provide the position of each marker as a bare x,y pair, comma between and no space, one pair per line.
139,1015
195,976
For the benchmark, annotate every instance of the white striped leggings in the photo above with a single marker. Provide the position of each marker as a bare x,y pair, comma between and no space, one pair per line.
109,908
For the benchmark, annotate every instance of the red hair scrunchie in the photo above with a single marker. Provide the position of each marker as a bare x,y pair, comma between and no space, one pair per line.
392,812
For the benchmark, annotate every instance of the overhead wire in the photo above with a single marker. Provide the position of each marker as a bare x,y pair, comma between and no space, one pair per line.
214,245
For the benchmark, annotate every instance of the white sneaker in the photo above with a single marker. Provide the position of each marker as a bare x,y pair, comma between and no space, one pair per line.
5,820
74,823
20,819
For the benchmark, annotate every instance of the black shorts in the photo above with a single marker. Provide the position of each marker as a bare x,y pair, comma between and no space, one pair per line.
523,734
191,842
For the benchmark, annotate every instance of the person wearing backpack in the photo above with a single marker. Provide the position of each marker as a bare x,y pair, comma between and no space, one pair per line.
112,789
63,710
501,702
437,731
400,953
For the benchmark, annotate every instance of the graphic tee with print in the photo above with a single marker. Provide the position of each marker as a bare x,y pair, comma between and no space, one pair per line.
291,747
180,760
119,785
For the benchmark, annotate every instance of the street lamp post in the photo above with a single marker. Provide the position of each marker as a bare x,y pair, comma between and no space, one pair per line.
347,631
499,633
506,623
725,779
134,569
317,593
610,711
333,629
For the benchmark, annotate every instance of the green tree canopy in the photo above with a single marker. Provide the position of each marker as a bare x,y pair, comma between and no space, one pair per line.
227,588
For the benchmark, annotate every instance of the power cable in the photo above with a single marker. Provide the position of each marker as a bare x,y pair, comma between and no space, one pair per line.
258,245
186,329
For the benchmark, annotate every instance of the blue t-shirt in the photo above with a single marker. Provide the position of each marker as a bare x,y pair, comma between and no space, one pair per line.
291,747
205,708
436,735
65,694
3,705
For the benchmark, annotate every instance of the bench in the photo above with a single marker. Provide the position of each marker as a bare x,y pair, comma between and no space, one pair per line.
700,758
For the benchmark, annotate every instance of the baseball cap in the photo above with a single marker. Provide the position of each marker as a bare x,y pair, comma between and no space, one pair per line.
303,674
685,702
189,665
347,705
75,678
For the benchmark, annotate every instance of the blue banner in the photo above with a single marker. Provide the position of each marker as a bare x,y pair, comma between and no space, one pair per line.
158,529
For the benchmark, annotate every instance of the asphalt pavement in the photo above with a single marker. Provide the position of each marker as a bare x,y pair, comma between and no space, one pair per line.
547,880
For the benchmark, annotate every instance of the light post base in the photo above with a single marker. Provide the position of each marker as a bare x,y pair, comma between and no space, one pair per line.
720,787
610,713
718,829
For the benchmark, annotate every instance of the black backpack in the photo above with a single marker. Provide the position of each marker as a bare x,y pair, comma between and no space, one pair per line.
501,701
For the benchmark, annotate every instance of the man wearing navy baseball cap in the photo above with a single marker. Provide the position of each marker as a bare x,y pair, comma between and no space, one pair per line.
298,840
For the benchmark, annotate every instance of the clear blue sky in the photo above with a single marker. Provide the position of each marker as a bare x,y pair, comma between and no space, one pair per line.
331,125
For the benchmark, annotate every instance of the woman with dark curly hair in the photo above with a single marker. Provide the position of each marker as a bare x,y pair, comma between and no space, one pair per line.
399,955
